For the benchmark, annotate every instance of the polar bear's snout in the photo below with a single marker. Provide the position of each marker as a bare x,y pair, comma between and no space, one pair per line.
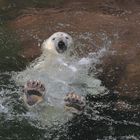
61,47
59,43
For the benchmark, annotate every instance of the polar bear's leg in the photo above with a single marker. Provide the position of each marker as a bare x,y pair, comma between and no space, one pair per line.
33,92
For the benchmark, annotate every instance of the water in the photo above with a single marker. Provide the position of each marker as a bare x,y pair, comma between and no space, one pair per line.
100,119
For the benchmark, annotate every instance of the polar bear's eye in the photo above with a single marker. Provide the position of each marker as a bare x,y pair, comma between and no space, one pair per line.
67,37
53,38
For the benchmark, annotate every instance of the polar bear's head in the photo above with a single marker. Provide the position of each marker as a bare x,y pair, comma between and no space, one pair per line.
57,43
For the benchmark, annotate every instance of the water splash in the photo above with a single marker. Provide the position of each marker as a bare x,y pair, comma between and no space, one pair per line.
62,75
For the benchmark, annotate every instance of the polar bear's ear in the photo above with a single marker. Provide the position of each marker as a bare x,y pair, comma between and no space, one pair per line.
44,45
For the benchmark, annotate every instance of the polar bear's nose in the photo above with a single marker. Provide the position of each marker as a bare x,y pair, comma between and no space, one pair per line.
61,47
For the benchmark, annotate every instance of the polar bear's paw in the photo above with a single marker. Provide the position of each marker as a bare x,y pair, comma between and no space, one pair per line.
34,92
74,103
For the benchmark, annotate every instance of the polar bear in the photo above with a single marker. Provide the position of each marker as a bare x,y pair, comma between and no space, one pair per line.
47,70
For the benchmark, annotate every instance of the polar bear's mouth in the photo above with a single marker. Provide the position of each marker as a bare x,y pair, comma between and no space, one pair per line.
61,47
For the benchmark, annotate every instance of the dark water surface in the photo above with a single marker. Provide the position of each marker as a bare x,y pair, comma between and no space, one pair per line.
101,120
